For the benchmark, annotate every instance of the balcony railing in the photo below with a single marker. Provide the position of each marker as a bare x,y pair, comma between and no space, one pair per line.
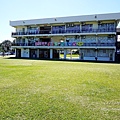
64,31
63,44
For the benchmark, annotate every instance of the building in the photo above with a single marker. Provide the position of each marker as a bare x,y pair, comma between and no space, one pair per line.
118,45
94,36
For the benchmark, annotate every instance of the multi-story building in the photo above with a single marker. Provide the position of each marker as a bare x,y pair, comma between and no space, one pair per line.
94,36
118,46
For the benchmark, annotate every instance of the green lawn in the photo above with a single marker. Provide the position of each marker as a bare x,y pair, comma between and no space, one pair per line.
57,90
69,55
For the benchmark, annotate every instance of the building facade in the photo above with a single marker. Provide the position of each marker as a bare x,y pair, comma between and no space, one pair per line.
118,45
93,36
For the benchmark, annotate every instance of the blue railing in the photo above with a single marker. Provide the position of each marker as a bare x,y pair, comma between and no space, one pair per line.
62,31
62,44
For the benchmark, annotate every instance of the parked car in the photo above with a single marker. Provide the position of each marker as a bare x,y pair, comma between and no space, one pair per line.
1,53
8,53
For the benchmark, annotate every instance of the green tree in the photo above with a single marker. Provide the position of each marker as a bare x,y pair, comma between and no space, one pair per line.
6,45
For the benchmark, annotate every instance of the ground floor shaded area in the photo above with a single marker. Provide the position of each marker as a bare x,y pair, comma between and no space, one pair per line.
73,54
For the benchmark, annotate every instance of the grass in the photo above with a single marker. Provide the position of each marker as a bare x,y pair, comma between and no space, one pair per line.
69,55
56,90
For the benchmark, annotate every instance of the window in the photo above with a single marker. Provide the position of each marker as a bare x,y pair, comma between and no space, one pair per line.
104,51
88,50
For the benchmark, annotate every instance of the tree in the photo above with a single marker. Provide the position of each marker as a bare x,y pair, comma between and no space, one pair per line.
0,47
6,45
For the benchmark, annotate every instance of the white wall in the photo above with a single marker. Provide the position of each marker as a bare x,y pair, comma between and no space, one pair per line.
19,28
25,53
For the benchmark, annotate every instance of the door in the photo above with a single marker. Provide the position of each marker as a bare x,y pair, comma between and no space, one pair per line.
18,53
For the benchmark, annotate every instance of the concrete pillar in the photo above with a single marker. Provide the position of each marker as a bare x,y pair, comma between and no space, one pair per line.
65,41
65,52
51,29
80,27
71,54
15,53
80,38
26,42
51,53
37,53
82,54
96,54
96,39
59,54
79,54
65,28
114,55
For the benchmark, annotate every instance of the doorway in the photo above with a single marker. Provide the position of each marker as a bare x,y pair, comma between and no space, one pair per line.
18,53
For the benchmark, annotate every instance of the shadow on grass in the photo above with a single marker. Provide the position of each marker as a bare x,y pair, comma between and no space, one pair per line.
68,60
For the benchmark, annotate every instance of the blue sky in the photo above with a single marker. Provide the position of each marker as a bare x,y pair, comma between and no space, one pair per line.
32,9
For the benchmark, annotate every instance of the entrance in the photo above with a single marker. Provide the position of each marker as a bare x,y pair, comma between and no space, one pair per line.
33,53
18,53
44,53
55,54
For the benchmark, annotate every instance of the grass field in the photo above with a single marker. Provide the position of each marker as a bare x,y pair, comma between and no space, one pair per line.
69,55
57,90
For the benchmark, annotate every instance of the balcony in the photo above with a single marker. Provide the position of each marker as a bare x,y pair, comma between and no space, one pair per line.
63,45
62,32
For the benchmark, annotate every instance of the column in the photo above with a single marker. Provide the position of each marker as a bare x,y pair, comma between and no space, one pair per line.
80,39
114,55
96,40
59,54
82,54
37,53
51,30
65,41
65,52
80,27
65,28
15,52
96,50
51,53
79,54
71,54
96,54
26,42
